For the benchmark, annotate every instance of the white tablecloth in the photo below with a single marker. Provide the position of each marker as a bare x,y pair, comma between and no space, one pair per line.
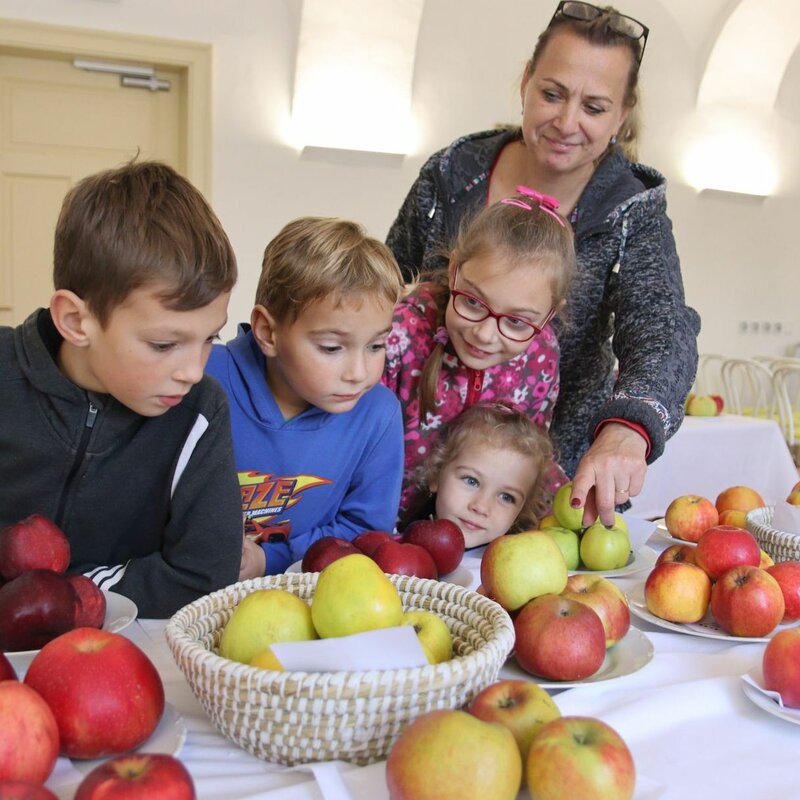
709,454
692,731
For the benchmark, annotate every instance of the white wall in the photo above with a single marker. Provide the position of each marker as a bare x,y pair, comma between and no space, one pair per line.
737,252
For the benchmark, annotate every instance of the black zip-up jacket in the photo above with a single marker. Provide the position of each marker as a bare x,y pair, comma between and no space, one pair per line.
150,505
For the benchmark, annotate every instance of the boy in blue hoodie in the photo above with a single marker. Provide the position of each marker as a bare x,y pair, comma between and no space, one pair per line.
318,442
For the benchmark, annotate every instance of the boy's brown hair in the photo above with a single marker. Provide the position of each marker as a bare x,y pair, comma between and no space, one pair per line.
137,225
316,257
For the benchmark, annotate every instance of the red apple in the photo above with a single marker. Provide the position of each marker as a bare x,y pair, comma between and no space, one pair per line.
28,734
606,599
32,543
559,639
35,607
154,776
747,601
522,706
325,551
369,541
787,573
105,693
91,602
689,516
677,552
442,538
719,401
7,671
677,591
404,558
579,757
725,546
24,790
781,666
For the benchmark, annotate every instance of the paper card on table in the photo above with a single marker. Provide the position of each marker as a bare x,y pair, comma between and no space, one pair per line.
387,648
786,517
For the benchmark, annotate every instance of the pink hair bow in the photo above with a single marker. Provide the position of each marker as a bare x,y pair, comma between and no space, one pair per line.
545,202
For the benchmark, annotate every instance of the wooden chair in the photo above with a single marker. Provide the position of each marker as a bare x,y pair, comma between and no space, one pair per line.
748,388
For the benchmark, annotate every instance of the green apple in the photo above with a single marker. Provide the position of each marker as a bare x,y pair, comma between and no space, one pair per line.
567,516
605,548
548,521
353,595
433,634
568,542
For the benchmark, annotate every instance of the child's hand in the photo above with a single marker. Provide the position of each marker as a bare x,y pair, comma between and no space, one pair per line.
254,560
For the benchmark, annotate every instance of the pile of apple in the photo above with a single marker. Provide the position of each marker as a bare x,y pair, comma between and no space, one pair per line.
427,548
511,734
352,595
563,623
38,601
594,547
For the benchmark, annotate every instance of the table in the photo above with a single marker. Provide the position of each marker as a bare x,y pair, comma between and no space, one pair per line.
690,728
709,454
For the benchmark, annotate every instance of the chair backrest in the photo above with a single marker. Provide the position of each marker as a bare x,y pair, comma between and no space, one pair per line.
748,387
786,386
709,374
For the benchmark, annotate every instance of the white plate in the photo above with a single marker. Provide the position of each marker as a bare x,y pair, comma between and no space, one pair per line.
769,704
643,558
663,533
627,656
121,611
167,738
460,575
707,627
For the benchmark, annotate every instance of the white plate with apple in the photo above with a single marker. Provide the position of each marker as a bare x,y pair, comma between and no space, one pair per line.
707,627
461,576
639,560
753,687
663,533
629,655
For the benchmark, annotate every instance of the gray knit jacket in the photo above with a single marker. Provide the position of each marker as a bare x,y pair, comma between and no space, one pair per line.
627,300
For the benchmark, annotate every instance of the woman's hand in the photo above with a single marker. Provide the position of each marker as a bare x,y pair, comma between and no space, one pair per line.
254,560
611,472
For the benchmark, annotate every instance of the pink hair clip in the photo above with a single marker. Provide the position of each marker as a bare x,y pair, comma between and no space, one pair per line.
545,202
441,336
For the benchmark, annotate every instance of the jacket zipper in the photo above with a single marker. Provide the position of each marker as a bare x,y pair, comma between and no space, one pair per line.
88,424
475,387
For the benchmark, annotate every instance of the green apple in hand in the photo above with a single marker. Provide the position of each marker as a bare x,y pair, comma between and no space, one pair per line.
605,548
567,516
568,542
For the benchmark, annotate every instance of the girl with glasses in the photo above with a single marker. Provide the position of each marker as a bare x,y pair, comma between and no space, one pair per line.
629,356
479,330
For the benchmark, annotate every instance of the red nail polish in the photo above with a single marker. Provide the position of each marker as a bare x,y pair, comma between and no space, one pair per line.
575,503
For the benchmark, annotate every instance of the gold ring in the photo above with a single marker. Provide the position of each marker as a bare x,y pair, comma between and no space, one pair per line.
622,491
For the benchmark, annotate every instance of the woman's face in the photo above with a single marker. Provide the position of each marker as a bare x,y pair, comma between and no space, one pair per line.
573,103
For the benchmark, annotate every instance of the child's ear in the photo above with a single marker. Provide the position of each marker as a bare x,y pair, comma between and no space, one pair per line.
72,318
263,326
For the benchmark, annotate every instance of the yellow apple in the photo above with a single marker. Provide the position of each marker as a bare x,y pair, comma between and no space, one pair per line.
433,634
738,498
567,516
262,618
678,592
548,521
266,659
794,495
353,595
766,560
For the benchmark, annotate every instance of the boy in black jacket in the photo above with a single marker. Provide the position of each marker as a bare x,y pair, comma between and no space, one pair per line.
107,425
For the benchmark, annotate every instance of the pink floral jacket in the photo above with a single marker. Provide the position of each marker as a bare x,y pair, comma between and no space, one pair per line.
529,381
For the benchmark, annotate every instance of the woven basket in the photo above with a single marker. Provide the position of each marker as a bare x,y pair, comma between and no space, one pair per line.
299,717
780,545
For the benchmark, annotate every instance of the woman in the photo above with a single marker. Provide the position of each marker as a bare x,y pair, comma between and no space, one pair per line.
577,143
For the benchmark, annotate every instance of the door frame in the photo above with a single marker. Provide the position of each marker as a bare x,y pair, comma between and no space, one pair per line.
192,58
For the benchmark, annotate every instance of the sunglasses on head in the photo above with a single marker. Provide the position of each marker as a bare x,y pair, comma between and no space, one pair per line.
619,23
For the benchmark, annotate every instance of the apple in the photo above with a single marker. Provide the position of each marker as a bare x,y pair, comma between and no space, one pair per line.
325,551
522,706
701,405
569,544
559,639
793,497
605,548
719,401
689,516
766,560
28,734
567,516
266,659
787,573
35,607
156,776
747,601
442,538
549,521
262,618
737,519
517,567
739,498
677,591
369,541
404,558
725,546
456,752
91,602
579,757
433,634
7,671
32,543
677,552
606,599
781,666
24,790
105,693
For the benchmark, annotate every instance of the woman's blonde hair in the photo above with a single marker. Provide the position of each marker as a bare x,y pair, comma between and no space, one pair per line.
498,426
